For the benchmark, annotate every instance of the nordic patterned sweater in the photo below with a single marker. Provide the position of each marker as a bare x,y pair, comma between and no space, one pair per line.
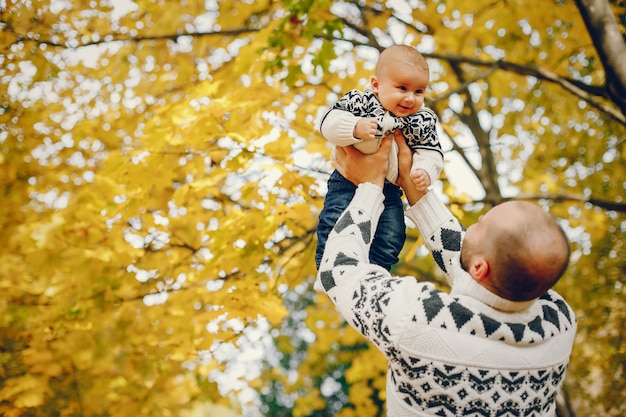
464,353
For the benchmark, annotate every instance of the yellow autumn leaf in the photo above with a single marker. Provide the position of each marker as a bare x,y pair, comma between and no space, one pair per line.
29,399
25,391
101,254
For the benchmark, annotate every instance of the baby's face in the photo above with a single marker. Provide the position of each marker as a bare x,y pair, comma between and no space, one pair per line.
400,87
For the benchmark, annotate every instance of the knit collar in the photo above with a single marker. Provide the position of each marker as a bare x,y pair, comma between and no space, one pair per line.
464,284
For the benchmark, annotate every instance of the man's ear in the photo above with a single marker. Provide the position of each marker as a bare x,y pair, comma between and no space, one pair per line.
479,269
374,83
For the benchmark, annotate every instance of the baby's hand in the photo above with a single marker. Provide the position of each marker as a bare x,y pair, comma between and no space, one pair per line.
420,178
365,129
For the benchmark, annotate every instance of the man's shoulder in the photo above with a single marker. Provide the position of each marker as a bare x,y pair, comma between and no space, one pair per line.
555,308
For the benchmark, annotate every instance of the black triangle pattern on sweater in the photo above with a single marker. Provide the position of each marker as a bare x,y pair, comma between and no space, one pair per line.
489,324
442,309
446,245
364,227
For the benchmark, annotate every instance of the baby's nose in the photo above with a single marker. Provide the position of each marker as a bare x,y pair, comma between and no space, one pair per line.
409,98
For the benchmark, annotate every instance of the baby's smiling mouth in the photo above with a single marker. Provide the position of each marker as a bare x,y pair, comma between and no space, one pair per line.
403,109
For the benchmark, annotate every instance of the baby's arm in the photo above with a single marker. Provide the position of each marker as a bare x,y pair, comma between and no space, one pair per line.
426,168
340,128
339,123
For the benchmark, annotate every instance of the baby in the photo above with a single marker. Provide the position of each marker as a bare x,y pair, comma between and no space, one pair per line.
394,101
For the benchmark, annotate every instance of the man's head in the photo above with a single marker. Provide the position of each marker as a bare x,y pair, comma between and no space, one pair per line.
400,79
516,250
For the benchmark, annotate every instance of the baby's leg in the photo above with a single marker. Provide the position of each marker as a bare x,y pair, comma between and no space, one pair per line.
391,231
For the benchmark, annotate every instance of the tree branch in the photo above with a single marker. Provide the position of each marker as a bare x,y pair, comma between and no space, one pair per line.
610,46
487,172
585,92
119,38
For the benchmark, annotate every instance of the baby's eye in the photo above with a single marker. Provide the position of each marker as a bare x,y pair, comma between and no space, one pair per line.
403,88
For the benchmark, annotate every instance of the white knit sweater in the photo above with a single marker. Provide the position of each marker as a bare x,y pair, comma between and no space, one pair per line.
464,353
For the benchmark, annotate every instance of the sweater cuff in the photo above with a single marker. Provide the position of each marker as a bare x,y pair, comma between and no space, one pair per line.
370,199
428,213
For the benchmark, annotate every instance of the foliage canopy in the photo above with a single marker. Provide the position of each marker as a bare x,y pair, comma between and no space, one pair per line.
162,175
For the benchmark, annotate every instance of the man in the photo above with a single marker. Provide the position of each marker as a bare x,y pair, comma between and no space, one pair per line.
498,344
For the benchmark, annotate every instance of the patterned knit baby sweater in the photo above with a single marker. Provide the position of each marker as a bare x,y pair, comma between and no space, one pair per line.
464,353
419,130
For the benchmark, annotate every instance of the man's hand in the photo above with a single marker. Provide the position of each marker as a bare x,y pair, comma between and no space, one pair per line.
365,129
405,161
358,168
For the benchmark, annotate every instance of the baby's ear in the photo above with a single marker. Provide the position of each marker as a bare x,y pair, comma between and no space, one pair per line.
374,83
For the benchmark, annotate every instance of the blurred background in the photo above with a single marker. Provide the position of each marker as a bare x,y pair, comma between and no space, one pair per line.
162,173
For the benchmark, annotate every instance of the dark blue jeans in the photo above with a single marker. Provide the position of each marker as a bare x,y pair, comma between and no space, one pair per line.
391,230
